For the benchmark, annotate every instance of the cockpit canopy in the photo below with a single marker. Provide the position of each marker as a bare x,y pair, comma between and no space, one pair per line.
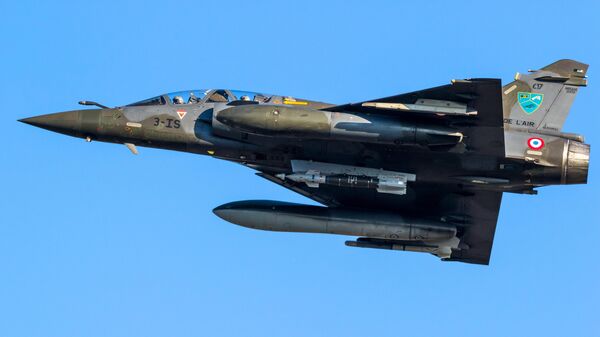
204,96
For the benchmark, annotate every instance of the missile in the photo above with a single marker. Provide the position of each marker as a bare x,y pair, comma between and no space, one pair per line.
295,122
384,184
289,217
341,180
315,173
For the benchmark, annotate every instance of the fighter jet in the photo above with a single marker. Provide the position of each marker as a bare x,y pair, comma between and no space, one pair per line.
422,171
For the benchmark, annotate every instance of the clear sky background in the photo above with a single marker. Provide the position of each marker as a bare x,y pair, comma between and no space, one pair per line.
97,242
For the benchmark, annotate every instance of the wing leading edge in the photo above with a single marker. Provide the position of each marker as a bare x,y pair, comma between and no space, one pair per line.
474,106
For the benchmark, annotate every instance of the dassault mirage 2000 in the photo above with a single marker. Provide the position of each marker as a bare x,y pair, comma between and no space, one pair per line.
423,171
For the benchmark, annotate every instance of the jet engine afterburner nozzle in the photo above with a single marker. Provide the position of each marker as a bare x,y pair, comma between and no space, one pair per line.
577,163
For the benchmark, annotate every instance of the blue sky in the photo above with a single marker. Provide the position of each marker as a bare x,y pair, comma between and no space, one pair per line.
97,242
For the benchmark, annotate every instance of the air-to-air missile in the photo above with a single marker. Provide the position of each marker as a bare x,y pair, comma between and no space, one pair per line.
423,171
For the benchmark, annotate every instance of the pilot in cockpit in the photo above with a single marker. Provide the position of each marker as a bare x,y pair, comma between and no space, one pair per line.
193,98
177,100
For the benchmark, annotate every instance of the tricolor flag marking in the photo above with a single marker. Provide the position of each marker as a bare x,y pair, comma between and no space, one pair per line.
535,143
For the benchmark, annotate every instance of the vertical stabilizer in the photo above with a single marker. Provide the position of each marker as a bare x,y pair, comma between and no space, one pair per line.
541,99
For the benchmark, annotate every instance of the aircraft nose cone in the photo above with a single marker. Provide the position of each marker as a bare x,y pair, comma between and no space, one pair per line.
63,122
77,123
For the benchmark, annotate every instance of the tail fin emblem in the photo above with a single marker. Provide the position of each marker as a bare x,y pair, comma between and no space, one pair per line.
530,102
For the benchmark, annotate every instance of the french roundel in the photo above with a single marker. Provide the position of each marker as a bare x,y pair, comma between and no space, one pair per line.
535,143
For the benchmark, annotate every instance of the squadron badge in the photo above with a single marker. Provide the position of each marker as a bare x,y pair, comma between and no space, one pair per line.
529,101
